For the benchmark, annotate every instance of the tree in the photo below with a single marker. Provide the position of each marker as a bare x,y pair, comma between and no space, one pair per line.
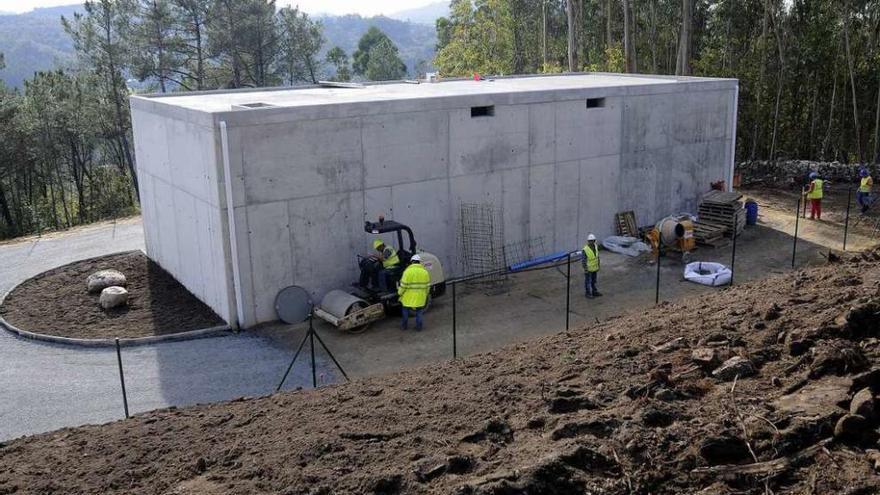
683,64
339,60
361,58
156,44
99,37
243,37
301,40
192,18
384,64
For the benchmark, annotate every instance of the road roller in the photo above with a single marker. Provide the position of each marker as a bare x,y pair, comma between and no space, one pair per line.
354,309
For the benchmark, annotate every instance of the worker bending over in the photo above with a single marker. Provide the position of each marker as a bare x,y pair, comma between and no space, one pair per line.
413,292
863,195
375,268
590,264
814,194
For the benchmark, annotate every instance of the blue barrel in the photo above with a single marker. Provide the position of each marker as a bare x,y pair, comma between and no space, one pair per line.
751,213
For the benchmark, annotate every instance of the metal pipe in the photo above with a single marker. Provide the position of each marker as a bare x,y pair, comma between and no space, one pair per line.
122,378
454,324
568,292
846,223
733,252
312,346
796,225
237,308
657,287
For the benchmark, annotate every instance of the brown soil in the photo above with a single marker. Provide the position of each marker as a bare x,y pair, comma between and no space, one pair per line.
56,302
616,408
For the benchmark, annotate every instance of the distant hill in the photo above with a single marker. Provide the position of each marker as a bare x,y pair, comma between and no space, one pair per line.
415,41
423,15
36,41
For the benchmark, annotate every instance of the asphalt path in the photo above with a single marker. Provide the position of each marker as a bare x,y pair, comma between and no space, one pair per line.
44,387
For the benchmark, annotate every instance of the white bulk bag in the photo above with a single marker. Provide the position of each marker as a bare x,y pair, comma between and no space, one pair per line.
708,273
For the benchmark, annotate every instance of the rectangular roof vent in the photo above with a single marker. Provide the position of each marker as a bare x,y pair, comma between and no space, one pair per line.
252,106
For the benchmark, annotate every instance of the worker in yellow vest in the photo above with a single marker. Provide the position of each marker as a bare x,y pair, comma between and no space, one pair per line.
590,264
863,195
814,193
413,292
375,268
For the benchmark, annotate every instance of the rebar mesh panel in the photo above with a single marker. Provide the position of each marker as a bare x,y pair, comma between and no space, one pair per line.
519,251
481,242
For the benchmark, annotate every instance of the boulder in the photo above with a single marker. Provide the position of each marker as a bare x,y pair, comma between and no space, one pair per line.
99,281
733,367
863,403
705,357
113,297
851,427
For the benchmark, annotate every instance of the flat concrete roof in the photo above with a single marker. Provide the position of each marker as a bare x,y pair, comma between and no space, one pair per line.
223,101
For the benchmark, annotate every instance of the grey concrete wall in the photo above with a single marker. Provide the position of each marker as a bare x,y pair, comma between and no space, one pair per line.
305,180
182,208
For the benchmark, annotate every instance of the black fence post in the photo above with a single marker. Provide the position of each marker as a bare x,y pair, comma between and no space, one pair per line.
568,293
846,223
454,325
733,250
121,378
657,287
796,225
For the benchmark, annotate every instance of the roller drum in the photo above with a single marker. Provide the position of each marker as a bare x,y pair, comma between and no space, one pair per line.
340,303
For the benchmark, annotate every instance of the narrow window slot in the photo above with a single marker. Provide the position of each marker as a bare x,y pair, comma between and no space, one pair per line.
488,111
595,102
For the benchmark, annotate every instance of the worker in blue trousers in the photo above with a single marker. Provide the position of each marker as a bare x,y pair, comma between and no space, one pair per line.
590,264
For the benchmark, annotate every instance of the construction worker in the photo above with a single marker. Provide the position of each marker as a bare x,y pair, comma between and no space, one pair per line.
590,264
863,195
376,267
413,292
814,193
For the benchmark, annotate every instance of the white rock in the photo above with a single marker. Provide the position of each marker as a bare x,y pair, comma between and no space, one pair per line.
99,281
734,367
112,297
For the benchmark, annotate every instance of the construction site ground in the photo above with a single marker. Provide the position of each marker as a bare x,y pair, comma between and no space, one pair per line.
532,304
746,390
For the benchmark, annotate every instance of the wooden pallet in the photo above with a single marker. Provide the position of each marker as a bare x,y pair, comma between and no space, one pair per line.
626,224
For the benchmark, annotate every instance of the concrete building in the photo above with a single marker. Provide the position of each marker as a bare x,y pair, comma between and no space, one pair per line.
303,168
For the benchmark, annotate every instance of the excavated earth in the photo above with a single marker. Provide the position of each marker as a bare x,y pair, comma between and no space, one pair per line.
746,390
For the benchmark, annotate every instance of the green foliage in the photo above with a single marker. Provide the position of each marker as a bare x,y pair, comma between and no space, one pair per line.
383,63
301,40
376,38
339,60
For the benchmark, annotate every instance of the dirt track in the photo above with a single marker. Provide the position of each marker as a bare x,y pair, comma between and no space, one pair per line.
620,407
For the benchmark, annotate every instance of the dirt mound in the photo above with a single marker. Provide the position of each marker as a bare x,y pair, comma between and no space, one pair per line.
56,302
637,404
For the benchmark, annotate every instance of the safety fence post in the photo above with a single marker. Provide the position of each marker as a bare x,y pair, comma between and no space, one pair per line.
733,249
846,223
454,324
657,286
568,292
796,225
121,378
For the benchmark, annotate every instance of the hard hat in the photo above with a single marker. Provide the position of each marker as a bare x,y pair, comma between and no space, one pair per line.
863,172
377,243
813,175
591,237
416,257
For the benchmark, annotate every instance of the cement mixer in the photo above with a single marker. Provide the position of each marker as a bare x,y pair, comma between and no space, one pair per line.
353,310
676,233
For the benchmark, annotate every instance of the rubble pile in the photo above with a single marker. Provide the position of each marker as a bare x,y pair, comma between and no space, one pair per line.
793,173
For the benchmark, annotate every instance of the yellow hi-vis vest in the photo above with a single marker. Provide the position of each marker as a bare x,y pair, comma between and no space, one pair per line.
414,286
816,193
865,186
392,259
591,259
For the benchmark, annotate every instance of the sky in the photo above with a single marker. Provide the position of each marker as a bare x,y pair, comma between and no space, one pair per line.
365,8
